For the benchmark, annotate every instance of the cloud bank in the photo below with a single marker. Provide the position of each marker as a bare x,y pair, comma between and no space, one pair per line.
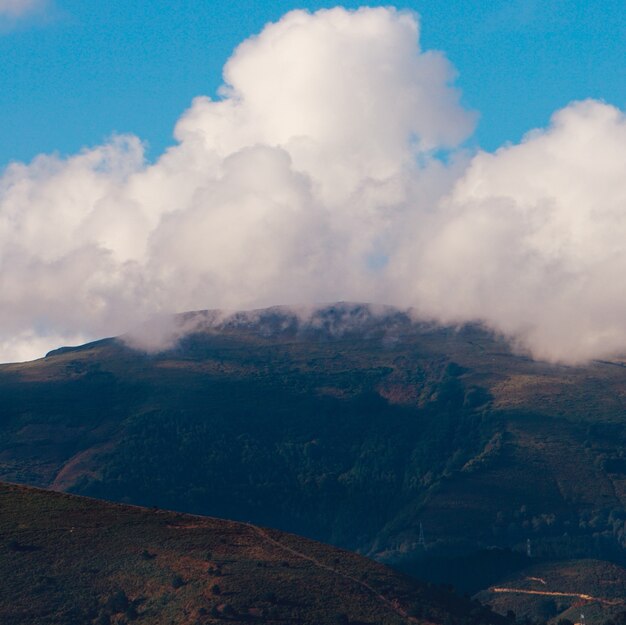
329,169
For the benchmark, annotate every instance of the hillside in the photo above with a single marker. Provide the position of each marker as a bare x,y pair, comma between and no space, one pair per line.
562,590
66,559
352,428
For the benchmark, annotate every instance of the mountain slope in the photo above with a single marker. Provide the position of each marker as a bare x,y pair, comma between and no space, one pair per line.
352,428
65,559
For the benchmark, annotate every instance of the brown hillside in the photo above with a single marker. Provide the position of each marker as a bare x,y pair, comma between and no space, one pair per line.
67,559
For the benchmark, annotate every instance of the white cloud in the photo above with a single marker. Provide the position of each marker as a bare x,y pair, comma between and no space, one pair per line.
348,95
314,179
531,239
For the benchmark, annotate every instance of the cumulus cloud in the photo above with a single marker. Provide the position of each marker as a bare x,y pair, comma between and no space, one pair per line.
531,239
318,176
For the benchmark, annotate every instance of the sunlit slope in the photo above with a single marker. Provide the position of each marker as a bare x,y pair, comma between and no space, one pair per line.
352,429
65,559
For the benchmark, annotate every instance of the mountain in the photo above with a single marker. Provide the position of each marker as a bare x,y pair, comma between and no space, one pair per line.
349,425
71,560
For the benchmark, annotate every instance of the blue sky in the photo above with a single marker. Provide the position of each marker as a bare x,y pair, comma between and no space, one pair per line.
76,71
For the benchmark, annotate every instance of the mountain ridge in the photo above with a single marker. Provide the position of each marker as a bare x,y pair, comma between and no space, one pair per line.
350,438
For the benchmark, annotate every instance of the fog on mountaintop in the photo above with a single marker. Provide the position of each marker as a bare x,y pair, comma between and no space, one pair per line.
330,169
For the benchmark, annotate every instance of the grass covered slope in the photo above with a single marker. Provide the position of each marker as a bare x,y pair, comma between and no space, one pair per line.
71,560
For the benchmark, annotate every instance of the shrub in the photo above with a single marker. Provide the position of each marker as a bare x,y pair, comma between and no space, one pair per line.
118,602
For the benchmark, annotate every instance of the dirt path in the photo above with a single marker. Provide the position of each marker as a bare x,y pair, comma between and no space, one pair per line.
548,593
393,605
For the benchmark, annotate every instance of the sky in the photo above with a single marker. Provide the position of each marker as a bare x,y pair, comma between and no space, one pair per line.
463,161
74,71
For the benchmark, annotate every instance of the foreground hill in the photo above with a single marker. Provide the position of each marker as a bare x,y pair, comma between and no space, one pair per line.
350,427
67,559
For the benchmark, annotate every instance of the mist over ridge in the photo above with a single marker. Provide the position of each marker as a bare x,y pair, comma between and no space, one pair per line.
332,168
